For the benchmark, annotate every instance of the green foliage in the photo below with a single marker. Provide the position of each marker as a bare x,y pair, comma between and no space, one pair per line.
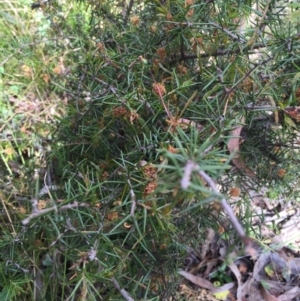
149,87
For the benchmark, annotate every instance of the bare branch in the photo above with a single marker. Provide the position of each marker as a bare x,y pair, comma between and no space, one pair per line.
37,213
188,169
185,182
133,198
220,52
235,222
125,295
247,74
229,33
127,10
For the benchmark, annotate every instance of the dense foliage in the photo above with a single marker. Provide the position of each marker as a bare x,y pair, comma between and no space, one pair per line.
151,85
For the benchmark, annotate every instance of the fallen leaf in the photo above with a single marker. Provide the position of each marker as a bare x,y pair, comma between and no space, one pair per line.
197,280
234,147
290,294
269,270
234,269
262,261
266,295
224,293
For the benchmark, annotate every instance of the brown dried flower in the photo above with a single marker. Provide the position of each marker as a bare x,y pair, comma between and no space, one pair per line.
281,172
119,111
297,94
246,85
169,17
159,89
151,186
163,247
196,42
168,27
105,175
190,12
153,29
133,115
173,150
135,20
230,96
150,171
234,192
101,47
182,69
113,215
189,2
161,53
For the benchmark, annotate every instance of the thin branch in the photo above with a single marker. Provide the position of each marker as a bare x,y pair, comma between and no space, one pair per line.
253,39
229,33
185,183
225,30
133,198
181,47
247,74
37,213
235,222
125,295
126,11
220,52
188,169
252,107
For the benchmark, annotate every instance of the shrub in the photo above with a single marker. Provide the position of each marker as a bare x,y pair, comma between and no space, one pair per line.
152,86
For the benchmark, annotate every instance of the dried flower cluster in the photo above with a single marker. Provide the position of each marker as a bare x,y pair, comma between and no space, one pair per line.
196,42
281,172
135,20
120,112
159,89
234,192
161,53
150,172
246,85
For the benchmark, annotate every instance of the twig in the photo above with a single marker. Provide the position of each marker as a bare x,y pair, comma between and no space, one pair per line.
79,86
7,214
188,169
251,107
247,74
258,26
220,75
146,103
37,213
133,198
229,33
126,11
185,182
220,52
235,222
225,30
125,295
